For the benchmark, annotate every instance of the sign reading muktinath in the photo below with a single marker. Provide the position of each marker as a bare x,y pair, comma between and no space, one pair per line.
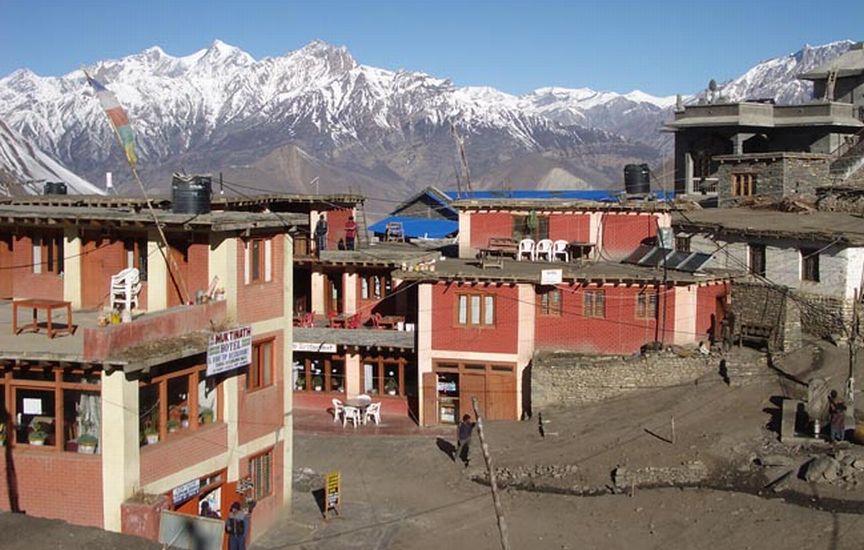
229,350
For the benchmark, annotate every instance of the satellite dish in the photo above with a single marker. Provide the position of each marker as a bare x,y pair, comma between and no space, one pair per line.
712,85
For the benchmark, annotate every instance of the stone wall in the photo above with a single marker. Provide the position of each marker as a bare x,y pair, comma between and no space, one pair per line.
777,175
755,303
558,378
824,316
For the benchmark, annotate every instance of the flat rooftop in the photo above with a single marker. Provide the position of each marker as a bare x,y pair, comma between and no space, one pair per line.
530,272
42,215
380,254
812,226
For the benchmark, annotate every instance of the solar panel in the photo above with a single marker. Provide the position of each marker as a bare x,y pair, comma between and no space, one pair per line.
652,256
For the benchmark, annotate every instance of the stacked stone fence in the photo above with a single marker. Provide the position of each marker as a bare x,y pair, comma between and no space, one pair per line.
566,378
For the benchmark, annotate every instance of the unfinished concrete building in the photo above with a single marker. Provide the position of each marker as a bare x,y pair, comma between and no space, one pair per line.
755,148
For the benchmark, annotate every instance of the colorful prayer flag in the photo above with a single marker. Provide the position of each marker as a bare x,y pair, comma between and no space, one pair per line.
117,116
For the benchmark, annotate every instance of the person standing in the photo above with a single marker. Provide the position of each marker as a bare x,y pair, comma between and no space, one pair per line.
207,512
836,416
235,527
321,234
463,433
350,233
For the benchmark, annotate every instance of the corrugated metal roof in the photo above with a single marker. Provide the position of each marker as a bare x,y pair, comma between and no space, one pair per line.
418,228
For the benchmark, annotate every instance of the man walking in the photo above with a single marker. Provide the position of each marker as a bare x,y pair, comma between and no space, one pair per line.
321,234
464,432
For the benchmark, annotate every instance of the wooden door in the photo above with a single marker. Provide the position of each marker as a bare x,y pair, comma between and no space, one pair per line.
501,396
333,290
472,385
430,399
94,285
6,287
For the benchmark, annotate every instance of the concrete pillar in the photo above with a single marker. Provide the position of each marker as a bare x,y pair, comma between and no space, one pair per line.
287,363
317,290
352,374
72,267
222,262
688,173
121,465
349,293
738,142
157,273
231,416
684,309
524,339
424,340
465,235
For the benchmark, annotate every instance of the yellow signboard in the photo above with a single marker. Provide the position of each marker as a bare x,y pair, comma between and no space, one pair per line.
332,490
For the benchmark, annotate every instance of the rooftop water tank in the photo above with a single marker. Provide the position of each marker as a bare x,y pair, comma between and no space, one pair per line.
190,194
637,179
54,188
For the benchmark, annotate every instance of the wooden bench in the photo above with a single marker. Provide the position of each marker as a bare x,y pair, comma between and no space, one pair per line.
498,247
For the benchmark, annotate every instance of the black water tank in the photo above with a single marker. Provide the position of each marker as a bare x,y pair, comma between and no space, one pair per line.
190,194
54,188
637,179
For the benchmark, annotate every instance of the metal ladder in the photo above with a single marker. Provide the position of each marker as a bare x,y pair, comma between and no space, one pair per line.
362,226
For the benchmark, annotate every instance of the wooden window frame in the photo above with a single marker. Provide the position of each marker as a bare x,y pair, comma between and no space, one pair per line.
51,253
137,248
743,184
196,374
10,385
380,363
482,310
326,375
755,250
590,304
646,305
255,372
682,243
810,265
268,454
258,260
547,307
519,228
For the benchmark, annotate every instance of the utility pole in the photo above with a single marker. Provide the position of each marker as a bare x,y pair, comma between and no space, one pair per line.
854,335
493,484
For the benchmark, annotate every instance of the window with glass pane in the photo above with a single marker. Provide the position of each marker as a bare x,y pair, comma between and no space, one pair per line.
595,303
550,302
337,376
207,405
178,403
646,305
463,309
298,369
489,310
82,418
377,288
810,265
35,424
364,288
371,380
756,254
260,470
260,373
475,309
148,411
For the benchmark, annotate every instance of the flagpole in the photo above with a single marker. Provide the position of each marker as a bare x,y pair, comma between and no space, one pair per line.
177,278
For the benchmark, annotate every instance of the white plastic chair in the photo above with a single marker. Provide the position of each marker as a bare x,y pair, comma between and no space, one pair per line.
526,246
561,248
543,248
338,409
364,397
373,411
125,287
351,414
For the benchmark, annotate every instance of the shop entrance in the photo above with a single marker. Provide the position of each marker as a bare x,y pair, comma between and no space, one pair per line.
448,392
189,498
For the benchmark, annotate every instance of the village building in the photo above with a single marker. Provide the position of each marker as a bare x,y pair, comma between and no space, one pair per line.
734,151
96,412
482,316
818,256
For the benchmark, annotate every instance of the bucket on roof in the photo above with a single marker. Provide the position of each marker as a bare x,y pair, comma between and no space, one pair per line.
190,194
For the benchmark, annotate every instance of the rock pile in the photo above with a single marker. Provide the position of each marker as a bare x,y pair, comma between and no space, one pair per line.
688,473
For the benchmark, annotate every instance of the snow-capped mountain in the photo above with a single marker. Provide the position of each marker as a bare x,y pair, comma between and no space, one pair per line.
280,122
24,168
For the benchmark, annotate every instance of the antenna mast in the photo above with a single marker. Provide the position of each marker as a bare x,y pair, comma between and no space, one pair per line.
460,145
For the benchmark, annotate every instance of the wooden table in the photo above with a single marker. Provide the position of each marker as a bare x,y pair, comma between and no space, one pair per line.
498,247
390,321
49,306
337,321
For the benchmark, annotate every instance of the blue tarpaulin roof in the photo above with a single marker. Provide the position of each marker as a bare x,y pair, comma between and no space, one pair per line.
601,195
415,228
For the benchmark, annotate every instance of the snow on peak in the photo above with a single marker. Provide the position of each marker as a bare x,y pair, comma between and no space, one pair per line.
639,96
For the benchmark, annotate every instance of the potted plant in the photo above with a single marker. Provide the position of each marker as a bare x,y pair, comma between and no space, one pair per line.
87,444
37,435
151,434
184,419
391,387
317,382
206,415
173,425
300,384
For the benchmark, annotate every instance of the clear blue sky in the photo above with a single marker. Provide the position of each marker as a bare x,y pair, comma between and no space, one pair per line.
661,47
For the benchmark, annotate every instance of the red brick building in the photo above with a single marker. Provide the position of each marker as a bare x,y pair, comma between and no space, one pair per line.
480,323
139,392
